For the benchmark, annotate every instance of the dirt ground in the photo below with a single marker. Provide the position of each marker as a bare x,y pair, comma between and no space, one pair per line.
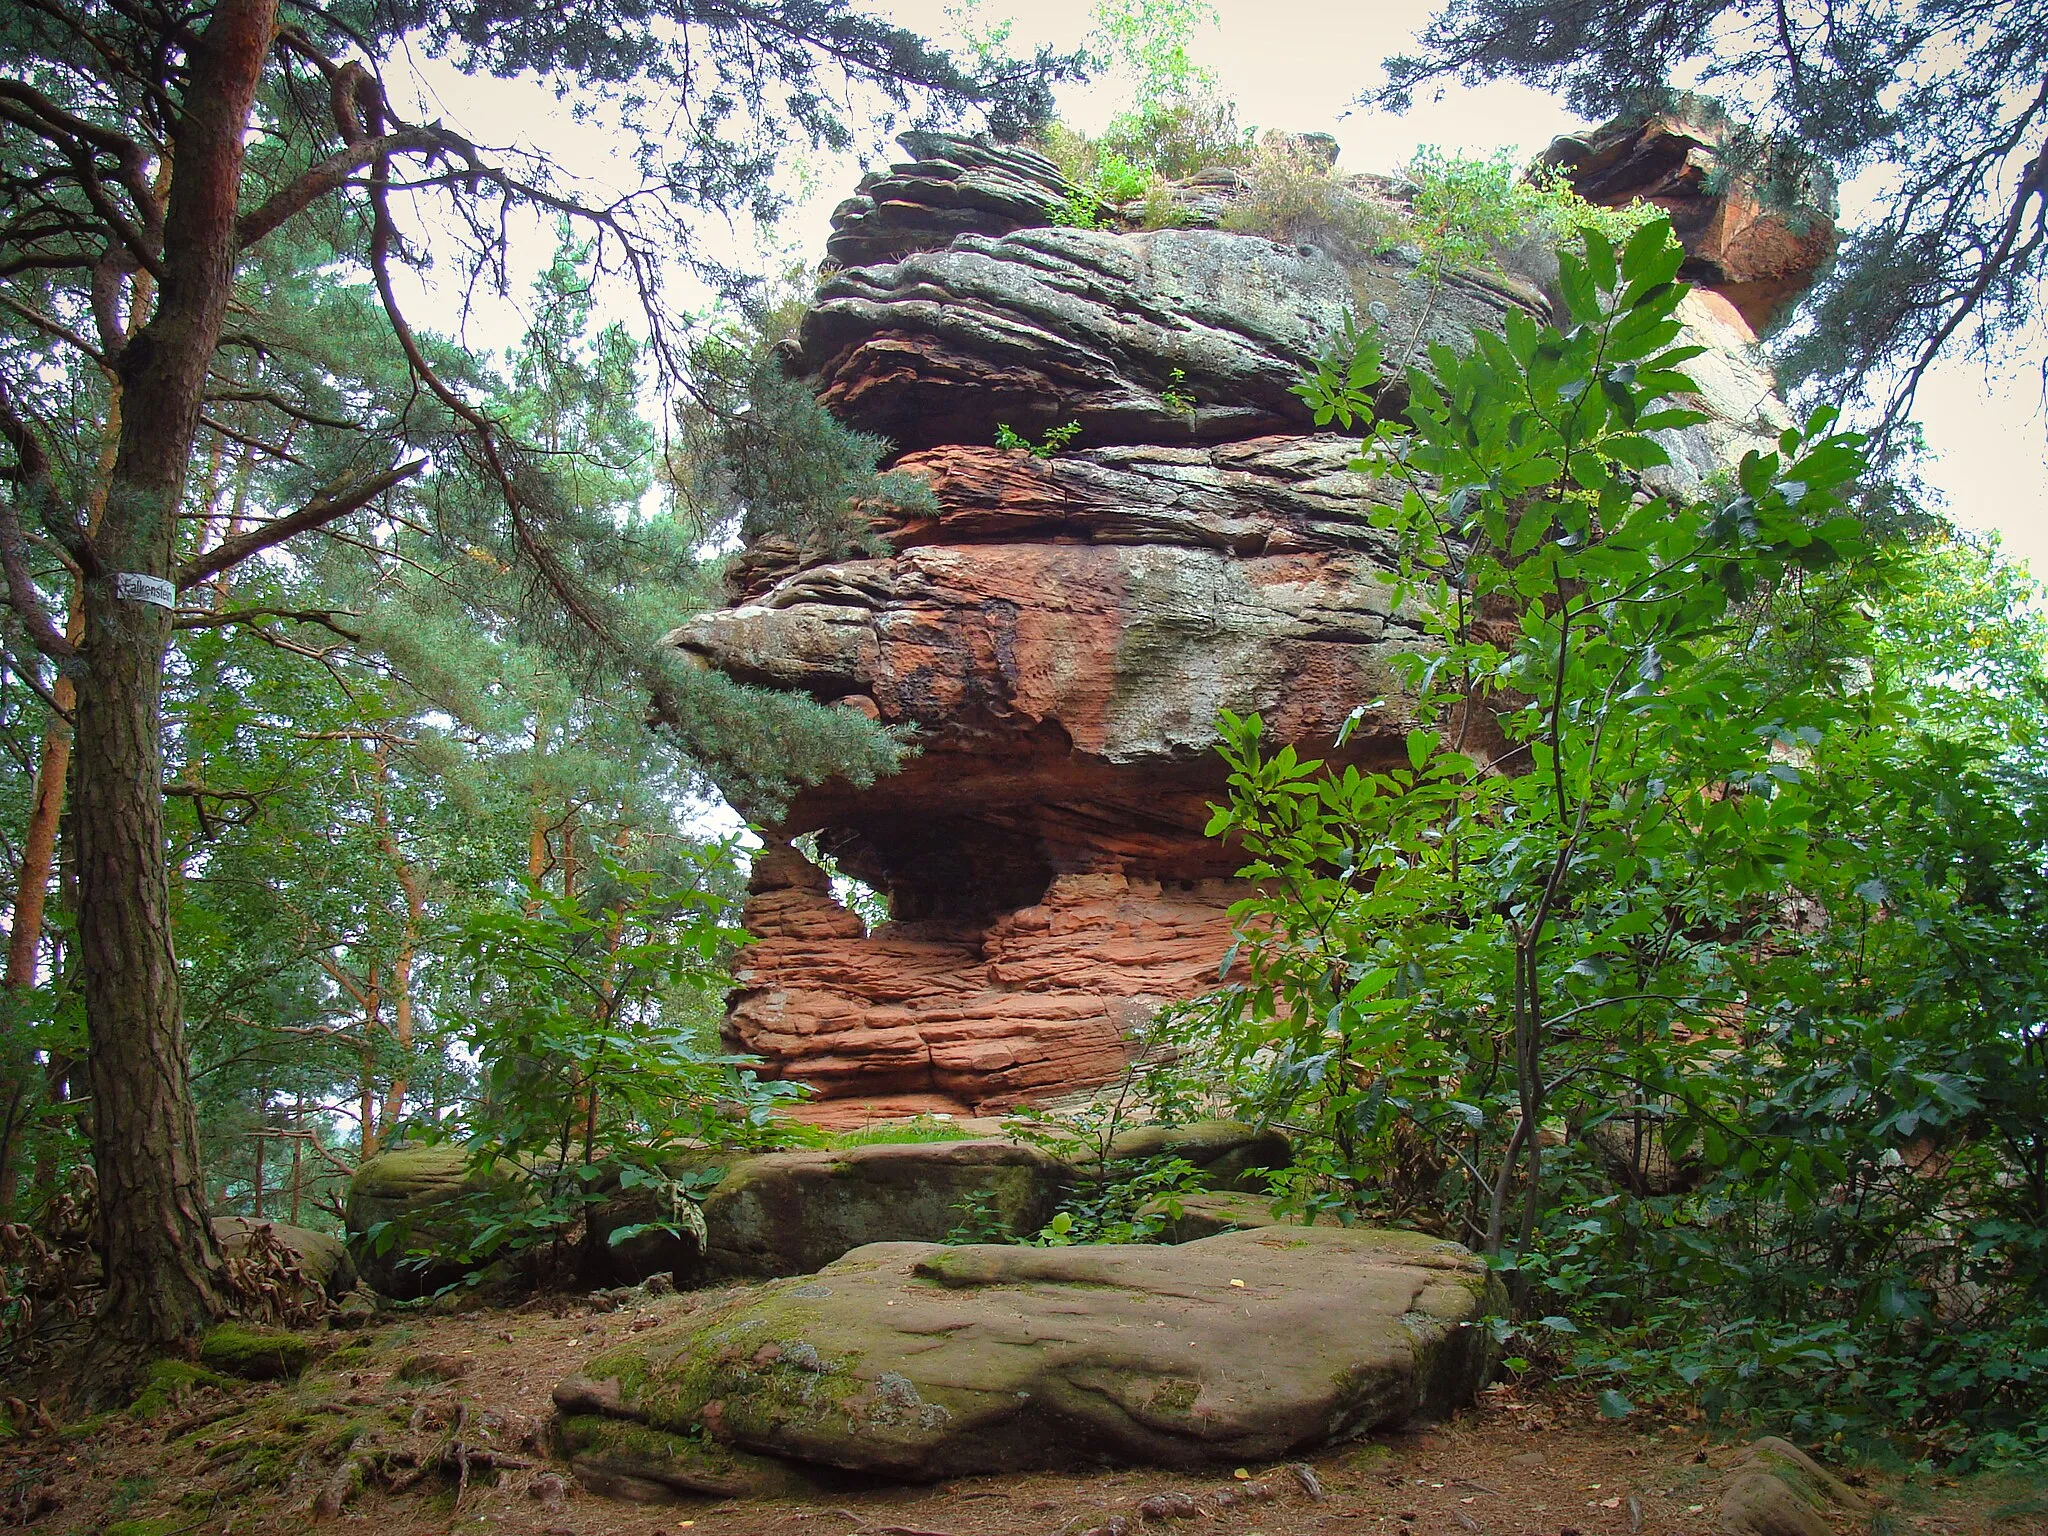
260,1459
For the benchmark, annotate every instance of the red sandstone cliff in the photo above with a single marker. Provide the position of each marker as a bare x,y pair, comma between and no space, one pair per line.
1063,633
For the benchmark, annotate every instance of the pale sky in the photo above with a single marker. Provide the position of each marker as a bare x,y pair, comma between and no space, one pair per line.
1295,65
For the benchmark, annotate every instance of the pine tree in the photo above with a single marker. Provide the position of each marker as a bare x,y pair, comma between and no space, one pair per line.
138,210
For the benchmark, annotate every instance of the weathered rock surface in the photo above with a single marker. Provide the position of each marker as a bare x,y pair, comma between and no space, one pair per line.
1778,1490
787,1213
1757,249
911,1361
951,186
1050,325
1060,636
415,1193
1190,1218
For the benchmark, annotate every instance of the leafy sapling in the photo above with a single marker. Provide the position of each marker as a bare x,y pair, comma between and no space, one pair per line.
1459,949
1056,439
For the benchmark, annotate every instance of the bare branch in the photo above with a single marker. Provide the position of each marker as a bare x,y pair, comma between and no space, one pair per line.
334,503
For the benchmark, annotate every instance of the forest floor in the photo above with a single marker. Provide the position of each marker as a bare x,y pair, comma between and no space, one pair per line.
216,1461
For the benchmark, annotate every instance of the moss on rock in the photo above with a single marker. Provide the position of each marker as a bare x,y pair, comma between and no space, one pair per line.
164,1379
253,1353
917,1361
611,1455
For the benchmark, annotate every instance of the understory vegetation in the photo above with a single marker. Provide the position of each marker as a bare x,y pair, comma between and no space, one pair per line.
1687,962
1672,937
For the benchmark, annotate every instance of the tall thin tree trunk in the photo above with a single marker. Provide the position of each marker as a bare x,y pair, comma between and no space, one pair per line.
408,940
53,769
162,1265
262,1133
298,1150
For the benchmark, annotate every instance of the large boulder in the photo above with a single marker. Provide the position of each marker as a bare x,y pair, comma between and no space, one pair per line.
320,1257
405,1218
787,1213
1776,1489
912,1361
1060,635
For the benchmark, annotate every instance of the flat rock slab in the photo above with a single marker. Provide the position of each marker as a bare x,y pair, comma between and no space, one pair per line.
916,1361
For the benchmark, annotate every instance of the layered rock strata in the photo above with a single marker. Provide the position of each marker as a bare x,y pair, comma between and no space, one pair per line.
1756,226
1060,636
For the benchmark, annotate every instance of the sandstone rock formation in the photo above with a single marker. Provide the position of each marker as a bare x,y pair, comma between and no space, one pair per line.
1060,636
911,1361
1755,245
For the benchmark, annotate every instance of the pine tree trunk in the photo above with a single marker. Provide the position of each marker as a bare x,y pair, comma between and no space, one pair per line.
163,1269
46,805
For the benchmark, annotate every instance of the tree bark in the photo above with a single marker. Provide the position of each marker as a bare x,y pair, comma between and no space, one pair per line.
163,1268
46,804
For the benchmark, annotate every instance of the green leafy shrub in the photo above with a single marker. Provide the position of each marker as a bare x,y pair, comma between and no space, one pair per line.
1465,211
589,1012
1054,442
1296,197
1687,961
1122,1200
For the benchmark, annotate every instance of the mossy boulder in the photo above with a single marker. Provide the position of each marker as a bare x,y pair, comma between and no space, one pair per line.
405,1205
1229,1153
253,1353
916,1361
620,1459
321,1255
788,1213
1776,1489
165,1380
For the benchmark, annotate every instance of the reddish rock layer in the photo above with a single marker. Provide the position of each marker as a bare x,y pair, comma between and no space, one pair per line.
963,1016
1754,246
1059,637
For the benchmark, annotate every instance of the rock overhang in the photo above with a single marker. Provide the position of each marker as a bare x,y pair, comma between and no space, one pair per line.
1058,637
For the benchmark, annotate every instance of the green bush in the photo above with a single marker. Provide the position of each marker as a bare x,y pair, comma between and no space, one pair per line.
1688,960
1295,197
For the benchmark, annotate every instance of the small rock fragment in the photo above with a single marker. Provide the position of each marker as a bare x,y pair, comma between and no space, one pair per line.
1168,1506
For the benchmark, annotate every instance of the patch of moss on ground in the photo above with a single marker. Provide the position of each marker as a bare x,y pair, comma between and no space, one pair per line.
253,1353
151,1525
163,1381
